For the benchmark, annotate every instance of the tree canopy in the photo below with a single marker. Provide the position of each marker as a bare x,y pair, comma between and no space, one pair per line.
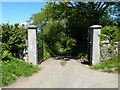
74,19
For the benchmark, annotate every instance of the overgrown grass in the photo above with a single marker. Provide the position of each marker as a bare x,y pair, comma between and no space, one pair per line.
111,66
14,68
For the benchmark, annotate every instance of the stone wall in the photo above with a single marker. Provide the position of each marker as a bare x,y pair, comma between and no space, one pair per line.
23,53
108,51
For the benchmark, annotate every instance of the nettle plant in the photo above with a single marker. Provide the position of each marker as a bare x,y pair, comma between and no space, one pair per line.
13,39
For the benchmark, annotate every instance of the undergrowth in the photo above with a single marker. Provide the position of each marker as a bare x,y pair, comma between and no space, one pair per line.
14,68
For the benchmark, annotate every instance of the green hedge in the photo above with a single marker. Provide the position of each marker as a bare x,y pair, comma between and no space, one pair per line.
13,40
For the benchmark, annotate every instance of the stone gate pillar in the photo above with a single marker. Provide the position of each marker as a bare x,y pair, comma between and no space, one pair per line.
32,44
94,47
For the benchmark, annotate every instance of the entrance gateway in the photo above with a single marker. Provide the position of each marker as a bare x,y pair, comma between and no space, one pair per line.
35,45
94,44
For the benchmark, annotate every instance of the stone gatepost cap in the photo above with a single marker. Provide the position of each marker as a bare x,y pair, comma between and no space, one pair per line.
32,27
96,26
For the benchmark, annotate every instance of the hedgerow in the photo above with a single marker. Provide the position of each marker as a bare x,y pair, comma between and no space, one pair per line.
13,40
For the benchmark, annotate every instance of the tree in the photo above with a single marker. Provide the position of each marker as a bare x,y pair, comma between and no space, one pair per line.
78,16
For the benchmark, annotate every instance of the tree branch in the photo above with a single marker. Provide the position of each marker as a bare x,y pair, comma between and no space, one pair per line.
72,5
101,6
92,5
98,5
107,5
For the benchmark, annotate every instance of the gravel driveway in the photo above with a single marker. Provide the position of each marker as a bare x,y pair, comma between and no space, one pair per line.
67,74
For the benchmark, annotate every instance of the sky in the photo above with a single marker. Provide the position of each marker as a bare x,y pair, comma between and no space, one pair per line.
18,12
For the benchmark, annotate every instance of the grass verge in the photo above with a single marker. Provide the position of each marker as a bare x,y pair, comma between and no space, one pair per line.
111,66
14,68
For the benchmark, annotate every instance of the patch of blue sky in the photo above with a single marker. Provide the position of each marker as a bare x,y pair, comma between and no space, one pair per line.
18,12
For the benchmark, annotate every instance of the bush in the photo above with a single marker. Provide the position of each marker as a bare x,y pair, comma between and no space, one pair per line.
6,55
67,43
13,39
46,52
110,33
53,31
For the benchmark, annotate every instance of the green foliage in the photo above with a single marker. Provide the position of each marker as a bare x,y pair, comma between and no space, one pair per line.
111,48
6,55
110,33
13,68
56,39
67,43
66,19
111,66
13,38
52,34
46,52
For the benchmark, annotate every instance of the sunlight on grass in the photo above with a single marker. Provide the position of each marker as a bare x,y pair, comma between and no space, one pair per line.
111,66
14,68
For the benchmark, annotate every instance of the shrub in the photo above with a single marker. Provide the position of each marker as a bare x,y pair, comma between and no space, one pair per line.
46,52
13,38
52,34
110,33
67,43
6,55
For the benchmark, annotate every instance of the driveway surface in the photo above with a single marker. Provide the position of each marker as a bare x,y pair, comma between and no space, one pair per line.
67,74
